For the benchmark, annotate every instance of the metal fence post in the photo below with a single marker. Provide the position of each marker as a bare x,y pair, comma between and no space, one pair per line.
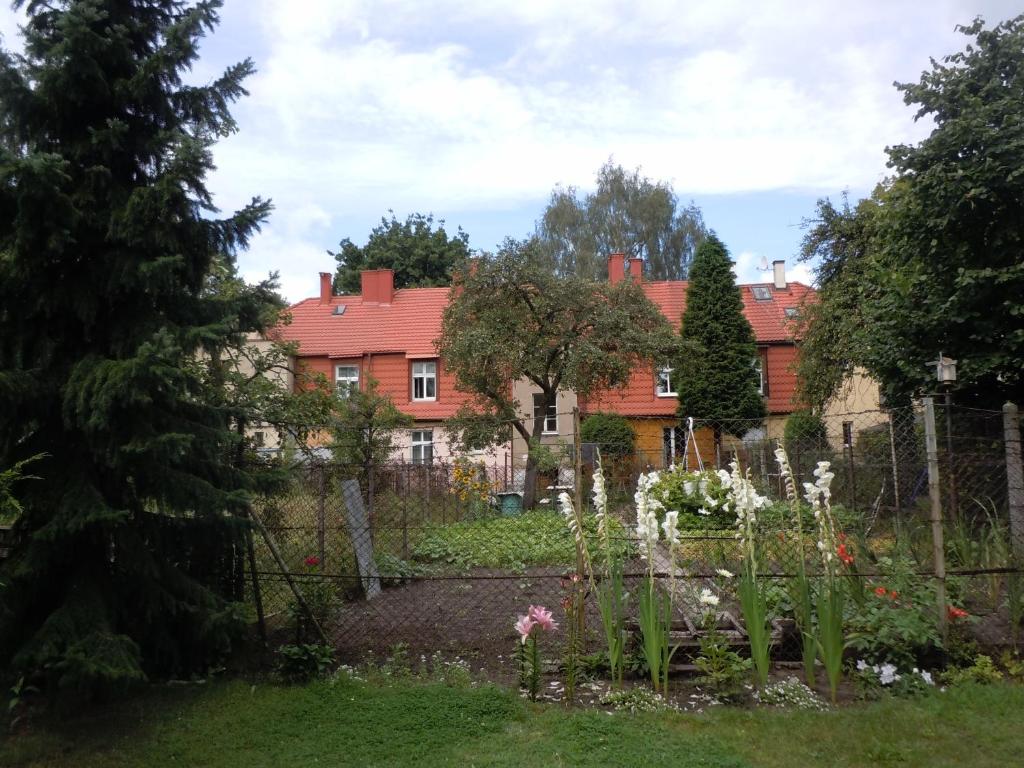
1014,479
895,478
935,495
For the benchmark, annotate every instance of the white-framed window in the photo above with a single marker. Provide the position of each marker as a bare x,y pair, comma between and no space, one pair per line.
424,380
422,446
346,379
663,386
550,418
758,365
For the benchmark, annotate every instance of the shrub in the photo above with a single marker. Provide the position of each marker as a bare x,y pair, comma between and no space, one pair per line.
790,693
304,662
896,622
805,433
982,672
612,433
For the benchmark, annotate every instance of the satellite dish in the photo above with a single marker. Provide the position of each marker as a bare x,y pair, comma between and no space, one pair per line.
764,264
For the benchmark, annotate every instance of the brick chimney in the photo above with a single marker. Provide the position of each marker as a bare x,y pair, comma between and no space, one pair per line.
326,287
378,285
636,269
779,270
616,268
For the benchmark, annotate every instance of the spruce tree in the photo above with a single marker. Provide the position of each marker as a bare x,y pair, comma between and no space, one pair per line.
126,557
718,381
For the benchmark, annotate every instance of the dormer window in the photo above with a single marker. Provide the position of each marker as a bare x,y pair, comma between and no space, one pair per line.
761,292
424,380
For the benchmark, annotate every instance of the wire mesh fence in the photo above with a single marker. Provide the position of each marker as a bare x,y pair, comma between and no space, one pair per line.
442,556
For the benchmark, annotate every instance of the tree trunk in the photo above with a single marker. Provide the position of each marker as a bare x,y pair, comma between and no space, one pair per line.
532,443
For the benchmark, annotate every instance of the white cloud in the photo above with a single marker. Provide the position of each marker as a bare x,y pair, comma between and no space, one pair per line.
364,105
751,267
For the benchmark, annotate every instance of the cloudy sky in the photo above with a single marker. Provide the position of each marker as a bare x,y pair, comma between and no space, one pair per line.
475,111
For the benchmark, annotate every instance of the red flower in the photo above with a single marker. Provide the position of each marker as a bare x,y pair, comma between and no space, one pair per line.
894,594
312,561
845,555
955,613
881,591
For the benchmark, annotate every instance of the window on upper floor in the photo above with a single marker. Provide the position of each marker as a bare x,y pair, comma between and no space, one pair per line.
663,385
761,292
762,381
550,418
792,313
346,379
424,380
422,446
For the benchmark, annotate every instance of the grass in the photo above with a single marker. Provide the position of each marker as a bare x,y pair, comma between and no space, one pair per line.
407,723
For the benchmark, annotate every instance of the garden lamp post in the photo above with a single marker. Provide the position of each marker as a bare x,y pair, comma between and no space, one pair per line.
945,373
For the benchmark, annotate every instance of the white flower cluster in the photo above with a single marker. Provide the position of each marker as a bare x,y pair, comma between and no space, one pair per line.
747,502
600,502
887,673
569,512
708,598
790,693
818,494
647,514
698,490
670,526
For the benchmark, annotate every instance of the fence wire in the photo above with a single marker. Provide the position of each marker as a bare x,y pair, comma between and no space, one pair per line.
441,556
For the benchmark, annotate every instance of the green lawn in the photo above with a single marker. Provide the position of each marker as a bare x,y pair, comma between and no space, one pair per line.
361,724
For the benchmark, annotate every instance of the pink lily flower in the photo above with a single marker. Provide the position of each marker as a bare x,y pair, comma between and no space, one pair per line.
542,617
524,627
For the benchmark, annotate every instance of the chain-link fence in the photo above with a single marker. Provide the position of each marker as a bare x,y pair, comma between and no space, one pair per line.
442,556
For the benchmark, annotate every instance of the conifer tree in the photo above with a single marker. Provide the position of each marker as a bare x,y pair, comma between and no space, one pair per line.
719,382
126,557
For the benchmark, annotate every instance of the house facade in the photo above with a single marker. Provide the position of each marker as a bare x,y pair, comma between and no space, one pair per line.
387,335
649,401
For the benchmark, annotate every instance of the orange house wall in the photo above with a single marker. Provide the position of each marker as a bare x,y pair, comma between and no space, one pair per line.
393,373
781,360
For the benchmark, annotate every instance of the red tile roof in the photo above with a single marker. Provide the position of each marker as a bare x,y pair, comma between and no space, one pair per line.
413,319
767,318
409,324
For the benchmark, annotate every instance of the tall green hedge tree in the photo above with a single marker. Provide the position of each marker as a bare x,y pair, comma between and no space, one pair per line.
718,383
934,259
126,563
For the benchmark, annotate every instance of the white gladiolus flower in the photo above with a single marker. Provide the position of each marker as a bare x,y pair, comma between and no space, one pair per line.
688,487
671,526
568,511
703,511
600,502
707,597
724,478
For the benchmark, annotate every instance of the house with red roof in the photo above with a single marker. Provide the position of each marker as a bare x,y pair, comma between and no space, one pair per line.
386,334
649,400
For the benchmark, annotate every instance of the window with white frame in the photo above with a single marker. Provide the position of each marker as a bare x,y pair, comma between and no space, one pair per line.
758,365
422,446
664,385
424,380
346,379
550,418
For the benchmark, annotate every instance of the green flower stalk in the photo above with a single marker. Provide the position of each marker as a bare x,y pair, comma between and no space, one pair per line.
611,596
832,596
752,600
801,587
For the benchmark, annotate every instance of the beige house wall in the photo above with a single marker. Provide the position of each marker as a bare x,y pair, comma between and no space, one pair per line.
523,390
858,402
